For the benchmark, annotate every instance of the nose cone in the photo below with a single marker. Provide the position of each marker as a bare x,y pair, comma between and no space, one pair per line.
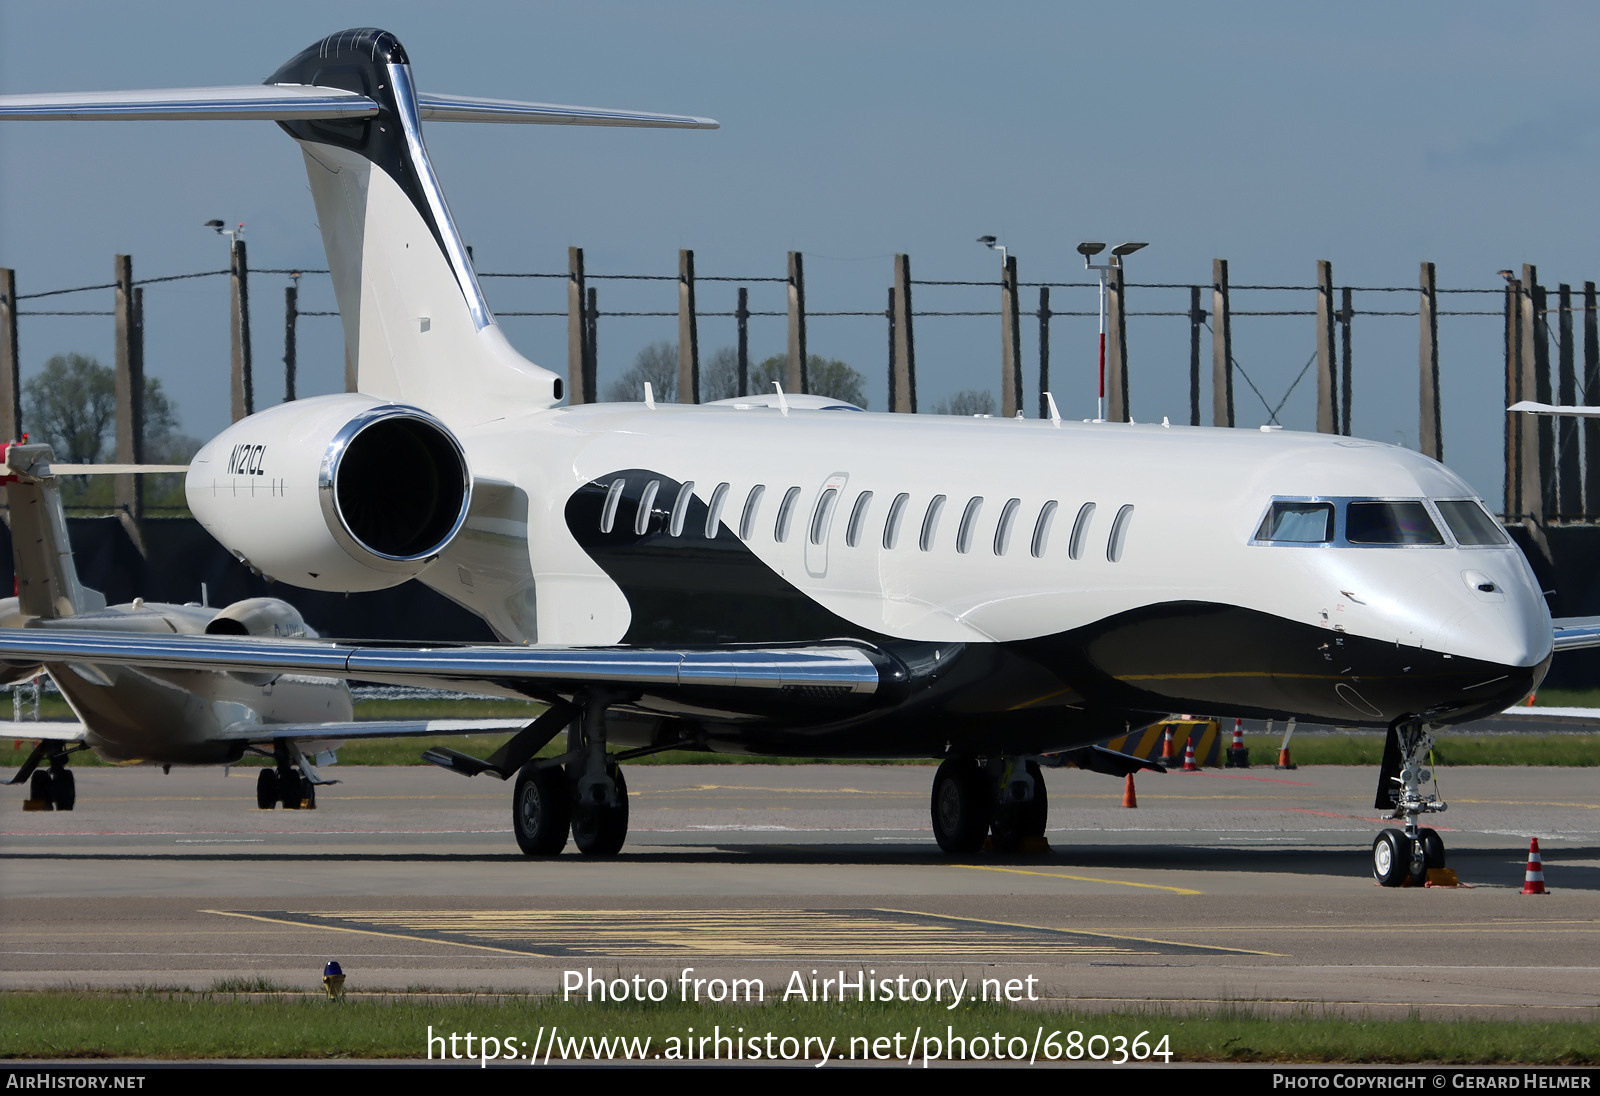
1500,617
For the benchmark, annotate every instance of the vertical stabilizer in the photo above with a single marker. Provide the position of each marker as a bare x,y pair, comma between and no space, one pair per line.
415,320
47,578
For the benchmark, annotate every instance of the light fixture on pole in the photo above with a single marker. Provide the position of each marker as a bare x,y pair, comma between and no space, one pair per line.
1089,249
991,242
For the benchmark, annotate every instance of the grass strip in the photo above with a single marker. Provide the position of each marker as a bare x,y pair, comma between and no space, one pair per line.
175,1024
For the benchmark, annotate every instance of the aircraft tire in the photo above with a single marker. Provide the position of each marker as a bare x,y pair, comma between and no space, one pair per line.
267,789
601,830
291,789
962,806
1016,823
1391,858
41,787
541,810
66,790
1432,848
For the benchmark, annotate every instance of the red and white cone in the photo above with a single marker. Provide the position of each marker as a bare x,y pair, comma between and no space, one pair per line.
1238,753
1129,799
1188,756
1533,882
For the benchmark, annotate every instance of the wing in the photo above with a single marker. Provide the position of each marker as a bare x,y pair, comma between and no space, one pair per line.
366,728
43,730
1576,633
783,681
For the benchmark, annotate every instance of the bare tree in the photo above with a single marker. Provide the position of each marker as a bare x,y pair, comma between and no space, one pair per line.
657,364
967,402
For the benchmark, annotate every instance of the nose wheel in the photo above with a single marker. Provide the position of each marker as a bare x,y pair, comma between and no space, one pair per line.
1402,857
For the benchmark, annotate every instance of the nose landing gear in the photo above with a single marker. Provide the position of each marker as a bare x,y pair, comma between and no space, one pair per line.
1402,857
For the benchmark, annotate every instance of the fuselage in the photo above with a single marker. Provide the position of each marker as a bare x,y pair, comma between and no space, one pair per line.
1066,576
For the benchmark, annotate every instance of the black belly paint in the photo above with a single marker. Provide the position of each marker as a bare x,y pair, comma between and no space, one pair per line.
1037,695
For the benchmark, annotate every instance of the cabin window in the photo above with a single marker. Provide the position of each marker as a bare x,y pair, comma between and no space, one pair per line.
714,511
891,526
1041,528
1119,533
1390,523
1470,523
930,521
1002,531
858,519
647,501
1297,523
969,522
823,515
680,508
780,530
608,512
1080,530
747,523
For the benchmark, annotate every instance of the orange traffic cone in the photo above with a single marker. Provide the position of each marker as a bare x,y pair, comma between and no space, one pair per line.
1238,753
1129,799
1533,882
1167,756
1188,757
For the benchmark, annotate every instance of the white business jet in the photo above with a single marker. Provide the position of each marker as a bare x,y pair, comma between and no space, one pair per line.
787,574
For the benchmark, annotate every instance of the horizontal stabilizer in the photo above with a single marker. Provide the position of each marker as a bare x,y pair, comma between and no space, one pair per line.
117,469
291,102
274,102
458,108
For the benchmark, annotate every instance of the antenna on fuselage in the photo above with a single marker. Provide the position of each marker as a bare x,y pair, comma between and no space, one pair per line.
783,404
1055,412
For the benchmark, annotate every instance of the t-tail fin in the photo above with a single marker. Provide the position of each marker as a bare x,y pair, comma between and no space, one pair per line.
415,321
47,578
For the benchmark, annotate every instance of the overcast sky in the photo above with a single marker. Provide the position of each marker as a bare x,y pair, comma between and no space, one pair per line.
1373,135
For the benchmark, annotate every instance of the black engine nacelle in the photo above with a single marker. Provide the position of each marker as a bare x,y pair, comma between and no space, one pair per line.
342,493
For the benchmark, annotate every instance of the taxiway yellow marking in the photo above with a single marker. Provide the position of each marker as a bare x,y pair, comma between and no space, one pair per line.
753,933
1078,878
1088,932
390,935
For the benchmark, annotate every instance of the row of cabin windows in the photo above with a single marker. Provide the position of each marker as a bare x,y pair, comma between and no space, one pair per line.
855,529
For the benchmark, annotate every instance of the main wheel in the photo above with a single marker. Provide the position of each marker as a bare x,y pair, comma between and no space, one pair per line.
601,829
267,789
1391,858
291,789
541,809
962,806
42,788
1018,822
1432,848
66,790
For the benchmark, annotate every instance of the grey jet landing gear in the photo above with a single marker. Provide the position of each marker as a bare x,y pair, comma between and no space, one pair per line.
291,780
53,788
1402,857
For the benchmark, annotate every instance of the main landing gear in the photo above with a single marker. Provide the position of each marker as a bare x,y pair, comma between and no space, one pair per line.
52,788
1402,857
1004,798
291,781
588,797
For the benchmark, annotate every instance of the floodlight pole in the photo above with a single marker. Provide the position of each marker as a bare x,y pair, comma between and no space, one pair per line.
1089,249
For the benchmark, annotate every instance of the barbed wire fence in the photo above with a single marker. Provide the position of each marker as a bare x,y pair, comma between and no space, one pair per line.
1552,471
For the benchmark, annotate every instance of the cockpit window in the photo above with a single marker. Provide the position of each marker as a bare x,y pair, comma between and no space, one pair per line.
1298,523
1470,524
1390,523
